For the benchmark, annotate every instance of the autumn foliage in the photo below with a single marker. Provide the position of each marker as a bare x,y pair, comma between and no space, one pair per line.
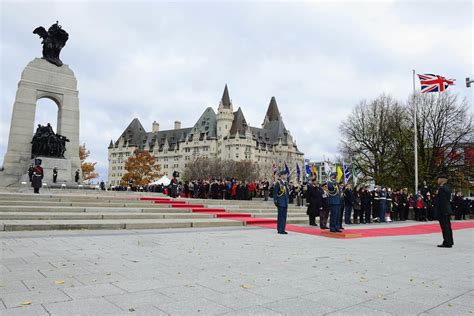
88,168
141,169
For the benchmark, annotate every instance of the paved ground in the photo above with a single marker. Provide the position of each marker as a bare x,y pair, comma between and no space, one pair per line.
233,271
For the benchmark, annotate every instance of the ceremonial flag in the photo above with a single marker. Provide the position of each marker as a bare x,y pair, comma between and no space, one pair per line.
339,173
314,171
298,172
274,167
308,168
355,174
347,173
327,168
287,170
434,83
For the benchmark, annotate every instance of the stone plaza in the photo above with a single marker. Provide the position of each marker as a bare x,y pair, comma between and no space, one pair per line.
239,270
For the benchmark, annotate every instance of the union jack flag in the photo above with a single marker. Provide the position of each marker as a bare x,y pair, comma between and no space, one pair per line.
434,83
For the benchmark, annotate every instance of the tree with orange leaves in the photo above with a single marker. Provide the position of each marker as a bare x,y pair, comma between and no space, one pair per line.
141,169
88,168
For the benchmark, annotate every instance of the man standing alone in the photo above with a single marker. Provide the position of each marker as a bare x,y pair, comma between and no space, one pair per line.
444,211
37,177
280,198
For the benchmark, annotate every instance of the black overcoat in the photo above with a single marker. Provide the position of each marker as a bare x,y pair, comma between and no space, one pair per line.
314,198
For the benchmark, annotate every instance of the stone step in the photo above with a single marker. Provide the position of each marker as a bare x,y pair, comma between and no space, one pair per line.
20,208
68,216
15,225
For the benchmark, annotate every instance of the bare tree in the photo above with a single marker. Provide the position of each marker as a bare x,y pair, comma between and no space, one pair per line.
209,168
444,127
368,137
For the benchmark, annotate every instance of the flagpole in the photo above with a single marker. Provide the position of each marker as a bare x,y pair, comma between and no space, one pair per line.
415,137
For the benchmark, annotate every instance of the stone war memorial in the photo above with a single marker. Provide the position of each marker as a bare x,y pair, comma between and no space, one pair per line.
45,77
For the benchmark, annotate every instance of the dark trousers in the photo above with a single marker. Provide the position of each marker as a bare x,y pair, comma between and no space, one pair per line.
404,213
36,190
323,218
445,223
358,216
281,220
334,219
312,219
367,215
347,214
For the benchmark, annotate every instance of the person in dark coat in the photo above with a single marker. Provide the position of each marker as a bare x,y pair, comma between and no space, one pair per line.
348,204
76,177
324,210
313,196
31,169
366,206
444,211
37,177
266,188
281,199
55,174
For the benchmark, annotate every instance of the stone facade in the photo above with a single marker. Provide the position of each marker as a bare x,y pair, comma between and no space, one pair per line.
41,79
223,135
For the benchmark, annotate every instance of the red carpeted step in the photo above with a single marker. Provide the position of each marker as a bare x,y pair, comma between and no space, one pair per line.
147,198
169,202
257,221
187,205
205,209
229,215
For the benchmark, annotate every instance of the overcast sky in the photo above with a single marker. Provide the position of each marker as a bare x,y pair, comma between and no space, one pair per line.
169,61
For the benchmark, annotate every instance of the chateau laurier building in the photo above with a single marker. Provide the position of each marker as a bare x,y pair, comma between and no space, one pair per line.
225,135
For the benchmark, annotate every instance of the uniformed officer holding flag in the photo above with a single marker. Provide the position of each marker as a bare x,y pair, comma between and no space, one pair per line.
280,198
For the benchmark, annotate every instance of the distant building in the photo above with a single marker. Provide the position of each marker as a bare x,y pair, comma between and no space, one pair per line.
224,135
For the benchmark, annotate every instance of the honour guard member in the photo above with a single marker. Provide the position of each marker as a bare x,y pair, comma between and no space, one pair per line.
55,174
334,201
444,210
37,177
280,198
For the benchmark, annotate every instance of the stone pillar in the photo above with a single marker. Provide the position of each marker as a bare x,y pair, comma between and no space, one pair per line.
41,79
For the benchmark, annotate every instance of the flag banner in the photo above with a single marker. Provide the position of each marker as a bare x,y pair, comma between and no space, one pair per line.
327,168
355,175
314,171
298,172
307,169
274,167
287,170
339,173
434,83
347,173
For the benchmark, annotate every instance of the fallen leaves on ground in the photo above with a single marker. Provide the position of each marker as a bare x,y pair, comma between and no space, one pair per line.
245,286
57,282
26,302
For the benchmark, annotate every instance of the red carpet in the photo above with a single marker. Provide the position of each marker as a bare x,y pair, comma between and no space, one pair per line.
415,229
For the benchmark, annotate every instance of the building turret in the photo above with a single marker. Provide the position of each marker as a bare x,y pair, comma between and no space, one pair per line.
225,115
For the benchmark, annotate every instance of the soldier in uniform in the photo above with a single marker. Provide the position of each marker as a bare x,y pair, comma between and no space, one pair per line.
280,198
55,174
334,201
37,177
443,205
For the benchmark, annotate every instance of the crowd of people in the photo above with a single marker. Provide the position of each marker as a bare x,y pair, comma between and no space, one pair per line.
364,206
